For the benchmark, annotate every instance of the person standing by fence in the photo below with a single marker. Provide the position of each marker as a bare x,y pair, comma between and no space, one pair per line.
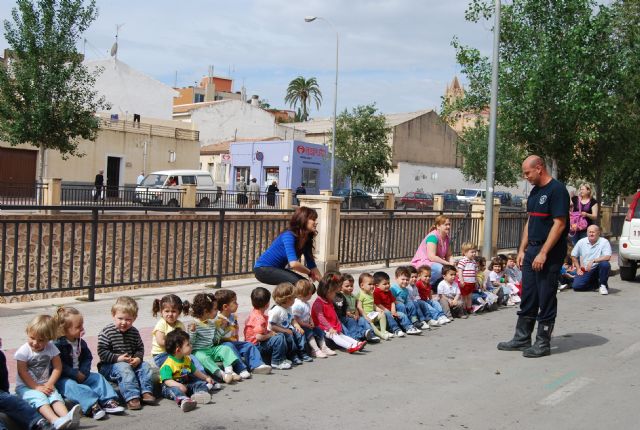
271,193
287,248
254,193
98,183
542,251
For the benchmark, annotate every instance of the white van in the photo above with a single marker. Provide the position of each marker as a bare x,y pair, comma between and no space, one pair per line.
468,194
165,187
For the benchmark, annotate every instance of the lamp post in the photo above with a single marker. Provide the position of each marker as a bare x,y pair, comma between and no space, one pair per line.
335,98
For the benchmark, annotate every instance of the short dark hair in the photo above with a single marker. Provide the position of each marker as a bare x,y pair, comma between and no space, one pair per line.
403,271
448,268
224,297
202,303
379,277
260,297
412,270
347,277
175,339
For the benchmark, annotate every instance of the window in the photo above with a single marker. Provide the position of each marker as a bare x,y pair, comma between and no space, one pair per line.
198,98
310,177
188,180
205,180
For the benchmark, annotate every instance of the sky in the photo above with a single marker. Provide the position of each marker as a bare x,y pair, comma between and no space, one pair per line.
396,53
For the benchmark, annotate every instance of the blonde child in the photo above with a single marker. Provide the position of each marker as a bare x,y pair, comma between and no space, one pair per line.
227,324
121,354
301,310
281,321
372,313
449,293
324,314
272,345
467,274
77,383
179,376
39,368
205,339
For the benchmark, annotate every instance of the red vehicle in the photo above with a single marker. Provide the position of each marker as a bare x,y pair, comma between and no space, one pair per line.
416,200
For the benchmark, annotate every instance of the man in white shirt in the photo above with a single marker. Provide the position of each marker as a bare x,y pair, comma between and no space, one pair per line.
591,257
140,178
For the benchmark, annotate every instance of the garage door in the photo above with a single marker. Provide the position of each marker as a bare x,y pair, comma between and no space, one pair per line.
17,171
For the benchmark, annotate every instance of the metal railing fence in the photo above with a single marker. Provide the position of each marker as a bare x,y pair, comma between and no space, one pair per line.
239,200
510,227
22,194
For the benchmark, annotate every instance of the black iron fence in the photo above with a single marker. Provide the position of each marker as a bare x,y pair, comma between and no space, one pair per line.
239,200
510,227
89,195
22,194
90,251
384,236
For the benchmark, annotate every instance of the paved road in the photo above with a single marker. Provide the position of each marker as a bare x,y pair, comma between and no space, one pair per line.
450,378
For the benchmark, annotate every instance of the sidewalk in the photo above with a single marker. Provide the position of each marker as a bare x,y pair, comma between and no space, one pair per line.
97,314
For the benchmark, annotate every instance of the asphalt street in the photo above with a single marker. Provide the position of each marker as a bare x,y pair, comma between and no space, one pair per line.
449,378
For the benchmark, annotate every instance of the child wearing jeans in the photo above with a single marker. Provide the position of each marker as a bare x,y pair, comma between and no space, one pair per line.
431,307
345,304
449,293
301,310
372,313
498,281
39,368
77,383
272,345
227,324
180,379
401,292
281,321
324,314
121,354
383,299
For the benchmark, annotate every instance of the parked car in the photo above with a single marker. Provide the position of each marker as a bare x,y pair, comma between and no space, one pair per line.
451,202
416,200
468,194
504,196
163,188
517,201
359,198
629,242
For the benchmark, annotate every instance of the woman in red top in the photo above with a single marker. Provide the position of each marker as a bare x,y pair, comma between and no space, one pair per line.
324,315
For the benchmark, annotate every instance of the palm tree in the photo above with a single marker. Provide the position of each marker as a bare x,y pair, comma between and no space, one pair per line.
302,91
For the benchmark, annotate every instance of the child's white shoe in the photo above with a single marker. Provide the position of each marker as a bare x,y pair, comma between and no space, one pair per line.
425,326
201,397
245,374
328,350
318,354
399,333
433,323
74,414
263,369
414,331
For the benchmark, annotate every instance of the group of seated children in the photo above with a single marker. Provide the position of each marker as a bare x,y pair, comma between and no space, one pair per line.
55,363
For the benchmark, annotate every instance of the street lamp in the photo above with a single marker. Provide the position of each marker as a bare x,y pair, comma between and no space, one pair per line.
335,97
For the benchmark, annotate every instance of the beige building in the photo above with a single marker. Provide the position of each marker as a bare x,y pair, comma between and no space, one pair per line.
122,149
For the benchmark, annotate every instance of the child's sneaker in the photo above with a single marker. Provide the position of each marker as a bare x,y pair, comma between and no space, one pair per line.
399,333
62,423
307,358
374,339
43,424
74,414
368,334
443,320
148,399
433,323
296,361
424,326
201,397
282,366
236,377
413,330
112,407
328,350
96,412
187,405
227,377
318,354
388,336
245,374
263,369
214,387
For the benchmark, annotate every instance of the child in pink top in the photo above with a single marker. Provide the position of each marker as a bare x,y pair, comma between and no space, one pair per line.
324,314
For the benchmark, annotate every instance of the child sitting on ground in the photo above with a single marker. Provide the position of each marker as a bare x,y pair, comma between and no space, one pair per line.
301,310
568,272
513,272
121,354
467,271
372,313
449,293
281,321
497,280
324,314
383,298
431,307
272,345
414,297
345,303
205,340
179,376
39,368
77,383
227,325
401,296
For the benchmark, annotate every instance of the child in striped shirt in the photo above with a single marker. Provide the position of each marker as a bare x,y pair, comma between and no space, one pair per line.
467,273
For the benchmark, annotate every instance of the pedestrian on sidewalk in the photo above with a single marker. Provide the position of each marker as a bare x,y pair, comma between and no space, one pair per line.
541,253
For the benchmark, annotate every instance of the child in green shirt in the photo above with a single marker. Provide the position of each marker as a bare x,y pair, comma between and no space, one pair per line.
372,313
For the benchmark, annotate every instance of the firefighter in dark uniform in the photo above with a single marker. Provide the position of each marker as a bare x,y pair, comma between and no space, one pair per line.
541,253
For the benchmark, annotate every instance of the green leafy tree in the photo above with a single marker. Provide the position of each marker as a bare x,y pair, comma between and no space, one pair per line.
46,93
562,78
361,146
302,92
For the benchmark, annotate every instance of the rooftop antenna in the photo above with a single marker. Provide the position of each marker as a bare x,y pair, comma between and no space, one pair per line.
114,48
175,80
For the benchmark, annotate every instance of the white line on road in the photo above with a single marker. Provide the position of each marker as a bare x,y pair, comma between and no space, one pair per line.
562,393
629,351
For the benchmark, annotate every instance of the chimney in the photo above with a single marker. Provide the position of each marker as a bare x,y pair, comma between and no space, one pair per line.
255,100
